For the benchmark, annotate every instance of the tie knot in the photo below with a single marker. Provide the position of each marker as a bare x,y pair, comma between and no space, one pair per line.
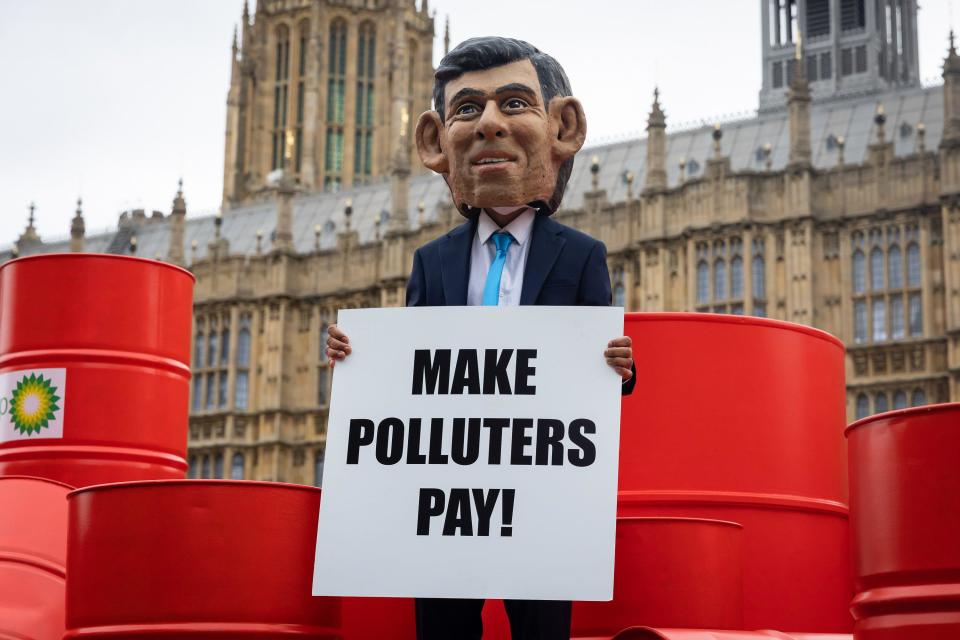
502,240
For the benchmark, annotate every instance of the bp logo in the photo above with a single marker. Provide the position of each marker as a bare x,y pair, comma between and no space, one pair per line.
31,404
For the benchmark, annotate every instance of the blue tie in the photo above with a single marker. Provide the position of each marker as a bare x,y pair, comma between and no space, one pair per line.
491,290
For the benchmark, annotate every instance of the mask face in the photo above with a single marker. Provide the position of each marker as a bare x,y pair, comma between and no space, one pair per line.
500,145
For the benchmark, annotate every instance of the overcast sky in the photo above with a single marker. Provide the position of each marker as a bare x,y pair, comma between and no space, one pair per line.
114,100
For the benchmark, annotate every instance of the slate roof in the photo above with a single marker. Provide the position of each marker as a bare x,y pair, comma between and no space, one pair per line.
742,142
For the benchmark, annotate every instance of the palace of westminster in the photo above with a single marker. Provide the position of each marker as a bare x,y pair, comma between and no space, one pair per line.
837,205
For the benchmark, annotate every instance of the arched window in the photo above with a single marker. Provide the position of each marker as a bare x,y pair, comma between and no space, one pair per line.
280,96
198,352
913,265
896,317
218,466
758,276
736,278
900,400
918,398
413,58
876,269
915,313
719,279
304,33
895,267
318,468
879,319
863,406
224,347
859,321
211,390
236,467
703,282
212,350
197,392
242,395
243,347
222,390
336,90
363,138
205,471
619,296
880,403
859,272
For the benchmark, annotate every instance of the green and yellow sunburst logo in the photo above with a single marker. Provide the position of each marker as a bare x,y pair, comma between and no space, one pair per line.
33,405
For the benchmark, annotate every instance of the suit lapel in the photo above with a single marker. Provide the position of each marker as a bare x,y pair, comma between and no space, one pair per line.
546,244
455,262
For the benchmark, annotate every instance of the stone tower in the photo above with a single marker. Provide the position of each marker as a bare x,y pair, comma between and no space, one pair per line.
850,47
311,87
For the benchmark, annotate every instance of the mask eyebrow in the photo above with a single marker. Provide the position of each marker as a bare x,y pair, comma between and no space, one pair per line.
463,93
518,87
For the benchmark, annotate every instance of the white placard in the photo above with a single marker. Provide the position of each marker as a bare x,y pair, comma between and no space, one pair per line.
432,518
32,404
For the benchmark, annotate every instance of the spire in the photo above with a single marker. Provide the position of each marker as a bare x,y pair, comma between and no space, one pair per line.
178,214
425,7
951,95
29,235
77,229
446,36
283,232
400,153
246,13
798,107
234,46
656,177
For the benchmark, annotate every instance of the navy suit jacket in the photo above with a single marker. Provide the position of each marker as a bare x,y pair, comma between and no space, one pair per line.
564,268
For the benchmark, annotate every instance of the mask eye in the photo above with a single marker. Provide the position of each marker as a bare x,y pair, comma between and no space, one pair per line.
467,109
515,103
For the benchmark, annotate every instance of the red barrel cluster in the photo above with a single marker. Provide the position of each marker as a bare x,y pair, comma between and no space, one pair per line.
732,515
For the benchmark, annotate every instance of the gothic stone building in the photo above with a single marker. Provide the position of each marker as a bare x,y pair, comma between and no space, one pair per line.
837,206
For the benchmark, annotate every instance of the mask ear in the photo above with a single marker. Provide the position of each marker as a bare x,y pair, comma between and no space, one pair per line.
566,115
429,127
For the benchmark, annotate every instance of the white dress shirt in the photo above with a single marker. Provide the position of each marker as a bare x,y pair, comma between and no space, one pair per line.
484,251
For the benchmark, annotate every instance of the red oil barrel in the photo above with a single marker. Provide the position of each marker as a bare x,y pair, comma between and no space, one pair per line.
741,419
99,348
195,559
905,511
33,558
378,619
670,572
645,633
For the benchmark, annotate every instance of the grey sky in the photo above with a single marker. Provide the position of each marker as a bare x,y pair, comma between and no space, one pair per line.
113,100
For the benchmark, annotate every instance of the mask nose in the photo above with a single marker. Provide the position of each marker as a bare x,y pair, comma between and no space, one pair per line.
492,123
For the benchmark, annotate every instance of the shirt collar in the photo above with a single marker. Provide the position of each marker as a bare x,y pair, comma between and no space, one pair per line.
520,227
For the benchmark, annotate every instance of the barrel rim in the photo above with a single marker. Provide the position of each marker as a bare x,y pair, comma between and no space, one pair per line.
205,482
87,255
47,480
726,523
770,323
902,413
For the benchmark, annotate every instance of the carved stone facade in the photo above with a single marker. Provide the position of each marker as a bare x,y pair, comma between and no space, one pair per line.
855,231
312,89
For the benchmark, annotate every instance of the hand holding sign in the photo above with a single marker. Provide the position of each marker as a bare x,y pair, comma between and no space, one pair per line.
471,452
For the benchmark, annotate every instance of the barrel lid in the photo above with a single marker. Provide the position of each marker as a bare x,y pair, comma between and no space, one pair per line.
39,479
909,412
192,483
107,256
723,318
655,519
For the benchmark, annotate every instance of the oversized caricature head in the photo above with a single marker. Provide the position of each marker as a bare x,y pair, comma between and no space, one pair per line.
505,129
